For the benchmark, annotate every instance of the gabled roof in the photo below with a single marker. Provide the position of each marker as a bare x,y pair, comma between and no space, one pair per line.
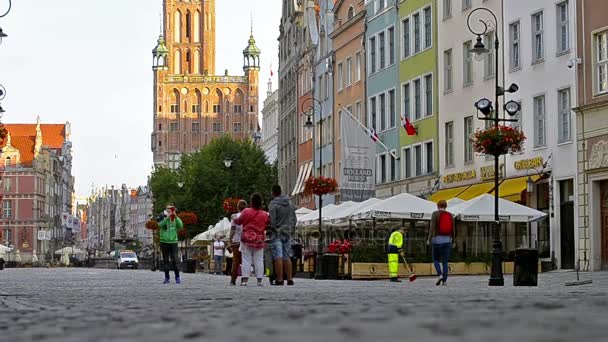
25,145
53,135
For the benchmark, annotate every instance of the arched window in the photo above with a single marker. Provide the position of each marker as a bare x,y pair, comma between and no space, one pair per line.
177,26
188,67
188,26
197,26
197,62
206,106
177,62
217,100
351,12
196,105
7,162
206,20
238,101
174,101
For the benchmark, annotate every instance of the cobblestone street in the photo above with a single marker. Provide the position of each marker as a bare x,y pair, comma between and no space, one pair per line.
123,305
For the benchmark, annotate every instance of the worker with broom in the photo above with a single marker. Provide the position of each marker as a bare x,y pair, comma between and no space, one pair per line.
395,247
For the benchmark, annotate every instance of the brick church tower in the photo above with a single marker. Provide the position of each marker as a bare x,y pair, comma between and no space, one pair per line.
192,105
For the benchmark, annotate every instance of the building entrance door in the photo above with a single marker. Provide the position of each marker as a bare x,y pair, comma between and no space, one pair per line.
604,228
567,224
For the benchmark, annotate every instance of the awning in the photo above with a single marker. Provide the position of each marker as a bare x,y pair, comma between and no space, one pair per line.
476,190
298,181
511,189
305,170
447,194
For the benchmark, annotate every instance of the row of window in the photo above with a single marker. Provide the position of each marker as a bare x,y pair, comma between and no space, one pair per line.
447,7
382,111
190,26
564,127
215,108
196,127
416,160
379,59
537,24
347,75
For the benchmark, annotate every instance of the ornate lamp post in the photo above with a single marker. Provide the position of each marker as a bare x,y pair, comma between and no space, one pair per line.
490,113
311,103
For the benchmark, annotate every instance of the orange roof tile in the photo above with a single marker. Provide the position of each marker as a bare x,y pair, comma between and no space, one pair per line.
53,135
25,145
23,138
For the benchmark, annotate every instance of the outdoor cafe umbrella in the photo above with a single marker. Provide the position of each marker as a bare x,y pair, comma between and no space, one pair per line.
302,211
481,209
312,218
342,215
70,250
34,256
402,206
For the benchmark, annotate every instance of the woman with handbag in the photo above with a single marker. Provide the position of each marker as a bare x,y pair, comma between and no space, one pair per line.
254,221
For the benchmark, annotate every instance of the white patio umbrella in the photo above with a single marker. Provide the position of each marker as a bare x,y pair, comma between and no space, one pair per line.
70,250
18,256
312,218
65,258
202,237
302,211
402,206
481,209
34,256
5,249
341,216
454,202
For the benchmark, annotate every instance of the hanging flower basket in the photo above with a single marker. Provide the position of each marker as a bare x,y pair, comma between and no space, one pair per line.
320,185
152,225
230,205
188,218
498,141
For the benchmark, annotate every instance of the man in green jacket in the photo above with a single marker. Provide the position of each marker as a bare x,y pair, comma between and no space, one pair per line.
169,227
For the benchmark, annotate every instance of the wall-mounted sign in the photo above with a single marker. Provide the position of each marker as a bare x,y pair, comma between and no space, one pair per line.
459,177
487,172
525,164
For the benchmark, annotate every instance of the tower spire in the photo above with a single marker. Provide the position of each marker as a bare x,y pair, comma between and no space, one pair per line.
251,18
160,23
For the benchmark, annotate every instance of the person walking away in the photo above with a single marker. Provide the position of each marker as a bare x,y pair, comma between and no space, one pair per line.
441,235
218,254
395,247
282,228
169,227
234,239
254,221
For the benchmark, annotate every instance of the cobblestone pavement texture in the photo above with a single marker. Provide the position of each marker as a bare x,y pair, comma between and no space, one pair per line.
125,305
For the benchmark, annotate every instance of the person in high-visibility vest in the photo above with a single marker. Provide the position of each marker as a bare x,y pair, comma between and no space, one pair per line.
395,247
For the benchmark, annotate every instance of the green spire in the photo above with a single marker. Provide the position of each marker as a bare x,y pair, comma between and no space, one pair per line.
161,47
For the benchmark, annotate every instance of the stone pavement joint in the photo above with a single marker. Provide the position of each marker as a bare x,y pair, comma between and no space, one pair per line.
125,305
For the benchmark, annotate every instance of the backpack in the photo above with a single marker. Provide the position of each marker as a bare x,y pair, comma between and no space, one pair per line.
445,223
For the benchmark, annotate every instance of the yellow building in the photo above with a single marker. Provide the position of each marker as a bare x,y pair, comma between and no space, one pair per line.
193,105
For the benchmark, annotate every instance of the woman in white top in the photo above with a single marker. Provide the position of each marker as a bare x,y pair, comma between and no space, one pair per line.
235,240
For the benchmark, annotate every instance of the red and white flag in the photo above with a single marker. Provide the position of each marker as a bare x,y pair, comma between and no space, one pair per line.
407,126
373,135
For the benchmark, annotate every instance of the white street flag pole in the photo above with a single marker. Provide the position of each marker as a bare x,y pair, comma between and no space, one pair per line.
368,131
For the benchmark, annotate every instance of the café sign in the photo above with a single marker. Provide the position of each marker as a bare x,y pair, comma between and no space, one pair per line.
526,164
459,177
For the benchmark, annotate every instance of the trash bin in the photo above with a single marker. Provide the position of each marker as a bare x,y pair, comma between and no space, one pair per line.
190,266
331,260
525,271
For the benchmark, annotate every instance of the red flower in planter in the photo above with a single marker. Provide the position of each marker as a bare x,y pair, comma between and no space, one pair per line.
230,205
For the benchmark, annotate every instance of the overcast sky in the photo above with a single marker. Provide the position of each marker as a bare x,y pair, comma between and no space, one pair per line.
89,62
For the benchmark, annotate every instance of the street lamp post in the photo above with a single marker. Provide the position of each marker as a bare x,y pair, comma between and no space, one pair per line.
311,102
490,113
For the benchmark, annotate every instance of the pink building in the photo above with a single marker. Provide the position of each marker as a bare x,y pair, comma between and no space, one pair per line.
35,188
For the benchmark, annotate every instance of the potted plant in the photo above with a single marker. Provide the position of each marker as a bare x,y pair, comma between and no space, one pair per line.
499,140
